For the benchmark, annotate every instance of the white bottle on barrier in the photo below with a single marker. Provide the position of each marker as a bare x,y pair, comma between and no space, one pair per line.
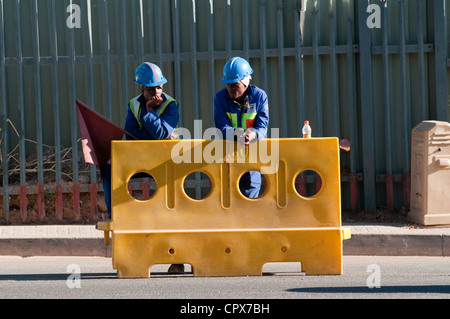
306,130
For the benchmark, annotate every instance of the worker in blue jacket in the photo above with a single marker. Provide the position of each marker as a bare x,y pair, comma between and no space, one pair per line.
241,112
152,115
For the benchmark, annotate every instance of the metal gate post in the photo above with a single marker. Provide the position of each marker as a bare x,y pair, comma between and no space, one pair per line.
440,61
365,74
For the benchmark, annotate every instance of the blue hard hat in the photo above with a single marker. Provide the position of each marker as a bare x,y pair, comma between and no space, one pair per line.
235,70
149,74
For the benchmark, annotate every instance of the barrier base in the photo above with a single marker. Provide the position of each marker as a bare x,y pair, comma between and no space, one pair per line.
213,253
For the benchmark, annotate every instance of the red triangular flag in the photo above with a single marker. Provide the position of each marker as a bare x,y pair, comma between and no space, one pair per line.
97,132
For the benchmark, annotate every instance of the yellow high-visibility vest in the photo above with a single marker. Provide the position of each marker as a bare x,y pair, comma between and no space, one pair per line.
135,107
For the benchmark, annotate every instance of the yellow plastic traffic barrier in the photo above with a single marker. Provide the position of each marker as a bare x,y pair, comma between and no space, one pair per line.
226,233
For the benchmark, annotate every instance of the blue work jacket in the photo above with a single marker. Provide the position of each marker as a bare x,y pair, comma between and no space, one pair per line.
228,116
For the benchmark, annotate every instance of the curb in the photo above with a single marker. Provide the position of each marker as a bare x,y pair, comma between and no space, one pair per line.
397,240
66,240
85,240
52,247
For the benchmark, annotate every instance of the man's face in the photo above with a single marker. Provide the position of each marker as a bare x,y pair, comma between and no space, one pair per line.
151,93
236,90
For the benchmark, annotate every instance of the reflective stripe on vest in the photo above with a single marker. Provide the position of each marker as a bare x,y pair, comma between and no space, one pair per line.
135,107
247,120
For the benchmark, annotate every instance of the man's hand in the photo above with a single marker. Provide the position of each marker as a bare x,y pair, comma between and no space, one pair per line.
250,135
245,137
153,102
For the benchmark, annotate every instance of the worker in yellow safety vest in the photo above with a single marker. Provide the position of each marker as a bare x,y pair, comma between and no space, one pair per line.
152,115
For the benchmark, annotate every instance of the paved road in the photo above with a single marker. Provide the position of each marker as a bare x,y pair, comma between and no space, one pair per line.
87,277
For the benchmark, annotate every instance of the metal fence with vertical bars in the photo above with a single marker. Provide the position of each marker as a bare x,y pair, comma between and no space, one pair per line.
317,60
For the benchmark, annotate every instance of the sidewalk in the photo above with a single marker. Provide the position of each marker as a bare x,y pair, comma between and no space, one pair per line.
84,240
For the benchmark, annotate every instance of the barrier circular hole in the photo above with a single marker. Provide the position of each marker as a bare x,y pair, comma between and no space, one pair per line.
227,250
171,251
308,183
252,184
197,185
141,186
284,249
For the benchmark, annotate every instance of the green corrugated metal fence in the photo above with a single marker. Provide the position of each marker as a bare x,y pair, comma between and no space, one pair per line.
317,60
